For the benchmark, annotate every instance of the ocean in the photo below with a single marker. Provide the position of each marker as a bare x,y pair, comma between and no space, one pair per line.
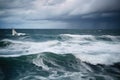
60,54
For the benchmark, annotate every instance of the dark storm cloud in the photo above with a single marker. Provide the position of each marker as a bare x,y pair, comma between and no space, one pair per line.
71,13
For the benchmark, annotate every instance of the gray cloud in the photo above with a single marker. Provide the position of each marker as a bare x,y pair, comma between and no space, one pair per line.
62,12
13,4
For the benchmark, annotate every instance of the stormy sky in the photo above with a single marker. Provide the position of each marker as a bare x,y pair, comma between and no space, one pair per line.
59,14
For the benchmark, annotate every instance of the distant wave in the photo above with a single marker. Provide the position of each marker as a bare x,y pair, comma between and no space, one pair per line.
4,43
90,37
21,34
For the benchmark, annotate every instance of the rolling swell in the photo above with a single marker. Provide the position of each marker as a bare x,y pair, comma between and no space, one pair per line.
51,66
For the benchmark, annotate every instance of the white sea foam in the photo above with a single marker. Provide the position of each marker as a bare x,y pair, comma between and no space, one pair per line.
77,37
21,34
39,62
95,51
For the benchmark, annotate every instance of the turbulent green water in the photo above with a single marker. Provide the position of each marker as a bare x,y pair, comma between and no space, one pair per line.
60,55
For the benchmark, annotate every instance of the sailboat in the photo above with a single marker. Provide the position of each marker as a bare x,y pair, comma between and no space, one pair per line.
15,33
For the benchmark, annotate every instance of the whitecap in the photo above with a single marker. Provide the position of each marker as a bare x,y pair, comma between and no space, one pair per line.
94,52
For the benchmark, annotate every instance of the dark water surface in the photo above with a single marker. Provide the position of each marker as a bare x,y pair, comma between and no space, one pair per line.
62,54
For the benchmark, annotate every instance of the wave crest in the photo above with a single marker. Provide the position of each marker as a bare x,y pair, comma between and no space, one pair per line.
88,48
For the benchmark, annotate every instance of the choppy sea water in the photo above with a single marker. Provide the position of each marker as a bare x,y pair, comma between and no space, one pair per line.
60,55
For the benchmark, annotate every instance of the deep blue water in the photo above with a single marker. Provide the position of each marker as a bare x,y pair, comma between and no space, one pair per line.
60,54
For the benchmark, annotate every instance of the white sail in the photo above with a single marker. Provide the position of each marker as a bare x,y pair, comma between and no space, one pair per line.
14,32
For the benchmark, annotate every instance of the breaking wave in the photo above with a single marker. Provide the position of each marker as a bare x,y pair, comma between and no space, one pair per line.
60,57
88,48
52,66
